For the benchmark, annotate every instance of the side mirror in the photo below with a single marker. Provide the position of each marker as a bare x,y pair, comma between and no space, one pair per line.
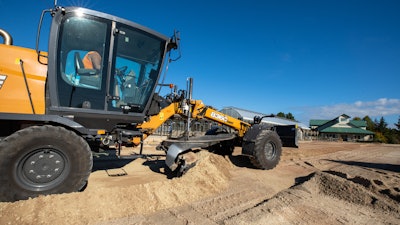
174,44
174,41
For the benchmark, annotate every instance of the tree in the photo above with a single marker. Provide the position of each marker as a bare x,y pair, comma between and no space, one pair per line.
381,126
289,116
280,114
370,123
398,124
383,134
379,137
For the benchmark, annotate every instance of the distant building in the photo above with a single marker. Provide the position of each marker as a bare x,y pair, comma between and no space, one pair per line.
341,128
248,116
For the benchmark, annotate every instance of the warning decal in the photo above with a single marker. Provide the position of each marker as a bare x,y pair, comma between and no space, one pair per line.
2,80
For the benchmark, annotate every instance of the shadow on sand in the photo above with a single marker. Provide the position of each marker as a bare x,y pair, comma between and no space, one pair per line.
381,166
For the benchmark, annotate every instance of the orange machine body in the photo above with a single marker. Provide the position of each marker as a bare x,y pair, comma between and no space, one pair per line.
18,65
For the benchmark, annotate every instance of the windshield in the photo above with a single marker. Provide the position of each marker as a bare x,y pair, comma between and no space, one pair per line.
138,58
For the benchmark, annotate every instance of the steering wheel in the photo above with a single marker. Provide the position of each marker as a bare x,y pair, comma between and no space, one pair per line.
121,71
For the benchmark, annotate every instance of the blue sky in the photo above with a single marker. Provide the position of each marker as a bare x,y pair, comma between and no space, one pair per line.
315,59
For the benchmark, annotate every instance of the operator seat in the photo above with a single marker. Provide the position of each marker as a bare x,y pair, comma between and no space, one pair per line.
87,76
80,68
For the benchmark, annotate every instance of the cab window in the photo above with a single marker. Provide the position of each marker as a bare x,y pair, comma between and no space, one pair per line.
137,61
82,74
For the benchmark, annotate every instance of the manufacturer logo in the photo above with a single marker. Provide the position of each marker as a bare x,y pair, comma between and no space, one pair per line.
2,80
161,116
219,117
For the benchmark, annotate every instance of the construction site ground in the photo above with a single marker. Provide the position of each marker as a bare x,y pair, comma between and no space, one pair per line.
317,183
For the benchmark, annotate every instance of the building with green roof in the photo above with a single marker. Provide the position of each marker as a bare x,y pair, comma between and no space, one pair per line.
342,128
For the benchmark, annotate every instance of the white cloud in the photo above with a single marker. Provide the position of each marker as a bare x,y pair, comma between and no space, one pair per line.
382,107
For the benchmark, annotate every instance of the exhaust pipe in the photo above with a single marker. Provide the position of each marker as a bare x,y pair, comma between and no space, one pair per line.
7,37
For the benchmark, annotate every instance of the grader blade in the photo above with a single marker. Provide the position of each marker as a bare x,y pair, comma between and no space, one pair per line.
180,146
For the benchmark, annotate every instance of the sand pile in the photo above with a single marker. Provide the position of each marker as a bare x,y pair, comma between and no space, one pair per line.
209,176
323,198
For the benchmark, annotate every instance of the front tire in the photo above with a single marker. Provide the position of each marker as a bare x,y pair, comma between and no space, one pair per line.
42,160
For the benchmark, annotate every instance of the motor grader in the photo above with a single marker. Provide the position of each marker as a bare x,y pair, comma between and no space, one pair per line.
55,112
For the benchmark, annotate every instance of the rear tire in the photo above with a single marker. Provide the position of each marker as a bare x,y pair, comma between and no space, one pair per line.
267,150
42,160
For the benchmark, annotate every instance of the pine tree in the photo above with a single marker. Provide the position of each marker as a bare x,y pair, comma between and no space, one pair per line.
398,124
381,125
290,116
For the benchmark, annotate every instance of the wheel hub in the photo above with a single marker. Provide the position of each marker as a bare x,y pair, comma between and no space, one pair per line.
43,166
269,150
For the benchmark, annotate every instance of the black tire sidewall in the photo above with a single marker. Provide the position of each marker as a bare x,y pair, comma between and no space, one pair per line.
260,159
74,149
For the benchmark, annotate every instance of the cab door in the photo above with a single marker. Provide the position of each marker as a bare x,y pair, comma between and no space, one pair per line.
137,60
81,83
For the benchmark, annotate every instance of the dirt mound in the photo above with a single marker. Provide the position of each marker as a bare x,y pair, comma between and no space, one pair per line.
323,198
350,189
210,176
373,184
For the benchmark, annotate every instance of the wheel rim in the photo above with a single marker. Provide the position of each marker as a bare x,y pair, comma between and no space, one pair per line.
270,150
42,169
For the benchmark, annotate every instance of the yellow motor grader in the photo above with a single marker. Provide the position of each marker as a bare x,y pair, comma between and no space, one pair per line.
55,110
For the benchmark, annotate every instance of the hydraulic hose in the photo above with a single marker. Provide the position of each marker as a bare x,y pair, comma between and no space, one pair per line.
7,37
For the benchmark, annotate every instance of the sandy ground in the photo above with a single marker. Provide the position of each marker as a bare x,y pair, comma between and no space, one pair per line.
318,183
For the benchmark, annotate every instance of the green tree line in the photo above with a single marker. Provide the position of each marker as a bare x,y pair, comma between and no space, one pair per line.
383,133
286,115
